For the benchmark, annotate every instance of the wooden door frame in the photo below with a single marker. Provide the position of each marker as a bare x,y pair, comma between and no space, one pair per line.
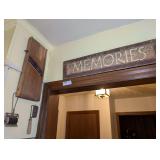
119,78
131,114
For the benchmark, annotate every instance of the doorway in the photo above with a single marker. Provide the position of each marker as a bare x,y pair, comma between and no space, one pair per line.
122,101
82,125
47,127
141,126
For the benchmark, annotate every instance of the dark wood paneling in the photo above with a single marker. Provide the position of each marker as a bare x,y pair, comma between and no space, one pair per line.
82,125
41,130
47,125
126,77
52,116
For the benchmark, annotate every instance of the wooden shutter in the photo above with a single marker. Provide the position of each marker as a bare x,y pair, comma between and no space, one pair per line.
37,52
30,82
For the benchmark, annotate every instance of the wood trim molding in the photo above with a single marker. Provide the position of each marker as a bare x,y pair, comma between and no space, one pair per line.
120,78
135,113
52,117
41,130
47,125
126,77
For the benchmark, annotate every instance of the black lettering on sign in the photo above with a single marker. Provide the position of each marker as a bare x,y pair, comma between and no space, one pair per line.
120,58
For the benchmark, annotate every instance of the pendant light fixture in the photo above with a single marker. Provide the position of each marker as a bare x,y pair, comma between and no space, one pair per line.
102,93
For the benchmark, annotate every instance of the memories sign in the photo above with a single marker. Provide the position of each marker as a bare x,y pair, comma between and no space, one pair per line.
135,55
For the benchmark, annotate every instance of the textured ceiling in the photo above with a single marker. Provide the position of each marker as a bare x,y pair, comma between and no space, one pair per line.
59,31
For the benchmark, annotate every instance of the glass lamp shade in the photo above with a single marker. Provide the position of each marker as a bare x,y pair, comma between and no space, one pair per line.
102,93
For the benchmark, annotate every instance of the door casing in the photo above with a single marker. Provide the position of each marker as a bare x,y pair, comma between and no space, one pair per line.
47,125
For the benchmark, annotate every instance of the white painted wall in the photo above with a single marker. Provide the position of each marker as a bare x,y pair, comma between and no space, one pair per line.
81,102
14,58
110,39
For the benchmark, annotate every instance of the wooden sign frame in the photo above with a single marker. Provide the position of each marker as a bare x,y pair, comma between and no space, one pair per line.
71,70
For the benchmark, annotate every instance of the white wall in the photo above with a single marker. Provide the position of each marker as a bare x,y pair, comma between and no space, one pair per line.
122,36
14,58
81,102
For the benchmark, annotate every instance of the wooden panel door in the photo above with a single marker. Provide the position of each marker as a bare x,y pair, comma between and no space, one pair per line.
82,125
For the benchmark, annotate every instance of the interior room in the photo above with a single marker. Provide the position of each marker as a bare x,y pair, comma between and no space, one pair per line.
80,79
134,101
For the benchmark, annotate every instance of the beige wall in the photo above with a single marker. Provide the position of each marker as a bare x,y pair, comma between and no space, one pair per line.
107,109
81,102
110,39
135,104
14,58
